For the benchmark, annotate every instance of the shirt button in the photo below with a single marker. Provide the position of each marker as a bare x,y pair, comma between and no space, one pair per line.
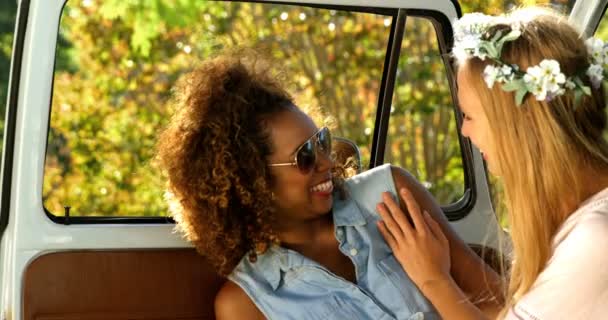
417,316
353,252
339,232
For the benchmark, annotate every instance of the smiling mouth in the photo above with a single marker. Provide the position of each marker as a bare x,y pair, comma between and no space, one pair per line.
323,187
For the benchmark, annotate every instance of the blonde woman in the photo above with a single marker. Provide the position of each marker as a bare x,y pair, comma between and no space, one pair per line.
533,103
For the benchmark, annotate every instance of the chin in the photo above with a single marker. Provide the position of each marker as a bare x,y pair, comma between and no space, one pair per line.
492,169
325,206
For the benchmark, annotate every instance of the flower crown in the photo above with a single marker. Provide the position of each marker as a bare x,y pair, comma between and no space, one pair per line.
545,80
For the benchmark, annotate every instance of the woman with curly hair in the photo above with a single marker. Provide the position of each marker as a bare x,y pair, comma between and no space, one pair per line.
254,188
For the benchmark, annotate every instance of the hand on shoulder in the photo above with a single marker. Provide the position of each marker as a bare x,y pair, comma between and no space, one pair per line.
404,179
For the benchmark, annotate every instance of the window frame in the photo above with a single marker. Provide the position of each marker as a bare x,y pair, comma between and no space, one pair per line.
443,30
10,120
588,22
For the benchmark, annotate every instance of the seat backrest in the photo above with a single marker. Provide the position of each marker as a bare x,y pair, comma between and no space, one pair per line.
347,153
120,284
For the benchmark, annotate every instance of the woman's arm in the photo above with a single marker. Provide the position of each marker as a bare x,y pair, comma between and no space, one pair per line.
232,303
451,302
477,280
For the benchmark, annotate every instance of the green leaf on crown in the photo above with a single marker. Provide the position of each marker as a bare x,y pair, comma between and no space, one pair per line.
519,86
578,96
519,96
515,85
514,34
490,49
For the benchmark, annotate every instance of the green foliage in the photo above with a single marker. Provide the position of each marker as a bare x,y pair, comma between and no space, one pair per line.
107,111
118,61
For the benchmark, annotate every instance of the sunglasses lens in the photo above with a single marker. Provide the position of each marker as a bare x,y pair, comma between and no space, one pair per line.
306,156
325,141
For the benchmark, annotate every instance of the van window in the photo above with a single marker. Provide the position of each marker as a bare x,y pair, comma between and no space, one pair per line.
117,60
495,7
423,132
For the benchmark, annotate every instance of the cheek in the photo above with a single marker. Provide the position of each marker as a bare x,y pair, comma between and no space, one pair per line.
470,130
290,187
479,131
465,129
484,134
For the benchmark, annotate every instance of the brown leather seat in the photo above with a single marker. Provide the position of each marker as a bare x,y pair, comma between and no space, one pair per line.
119,285
113,285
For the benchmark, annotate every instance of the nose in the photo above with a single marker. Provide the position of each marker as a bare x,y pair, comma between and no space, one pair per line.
464,130
324,161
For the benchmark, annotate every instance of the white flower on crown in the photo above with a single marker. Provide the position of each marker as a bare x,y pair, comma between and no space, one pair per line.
554,78
469,45
472,24
507,71
468,32
595,74
538,91
545,80
570,84
492,74
598,50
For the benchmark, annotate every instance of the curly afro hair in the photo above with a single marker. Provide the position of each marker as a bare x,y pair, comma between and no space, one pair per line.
214,153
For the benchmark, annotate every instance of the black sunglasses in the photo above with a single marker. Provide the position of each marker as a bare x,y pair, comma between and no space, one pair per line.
306,154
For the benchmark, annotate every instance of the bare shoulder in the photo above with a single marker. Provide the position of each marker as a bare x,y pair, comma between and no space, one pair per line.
404,179
231,302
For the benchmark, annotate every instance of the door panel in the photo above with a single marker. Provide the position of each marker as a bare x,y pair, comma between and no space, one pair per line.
120,270
120,284
158,284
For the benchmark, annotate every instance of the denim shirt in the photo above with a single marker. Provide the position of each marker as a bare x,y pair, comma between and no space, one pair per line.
287,285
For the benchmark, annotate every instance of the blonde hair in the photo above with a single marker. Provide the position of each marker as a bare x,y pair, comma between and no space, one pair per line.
540,147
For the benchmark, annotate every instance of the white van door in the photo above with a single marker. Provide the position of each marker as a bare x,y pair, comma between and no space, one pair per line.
83,225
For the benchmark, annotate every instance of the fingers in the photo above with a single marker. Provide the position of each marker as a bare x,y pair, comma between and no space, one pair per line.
389,222
396,213
414,210
388,237
435,228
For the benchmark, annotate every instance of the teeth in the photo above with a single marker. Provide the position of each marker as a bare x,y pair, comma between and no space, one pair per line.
322,187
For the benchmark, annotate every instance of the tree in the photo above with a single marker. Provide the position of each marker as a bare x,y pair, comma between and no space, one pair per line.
120,59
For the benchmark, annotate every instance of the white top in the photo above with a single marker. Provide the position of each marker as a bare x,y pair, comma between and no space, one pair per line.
574,285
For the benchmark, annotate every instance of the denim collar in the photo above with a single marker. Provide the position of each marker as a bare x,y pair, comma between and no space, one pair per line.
347,212
278,260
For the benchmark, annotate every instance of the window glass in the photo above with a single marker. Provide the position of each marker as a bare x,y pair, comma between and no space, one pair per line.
423,132
117,61
500,6
8,11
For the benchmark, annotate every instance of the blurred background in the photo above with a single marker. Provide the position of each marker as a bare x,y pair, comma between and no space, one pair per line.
117,60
